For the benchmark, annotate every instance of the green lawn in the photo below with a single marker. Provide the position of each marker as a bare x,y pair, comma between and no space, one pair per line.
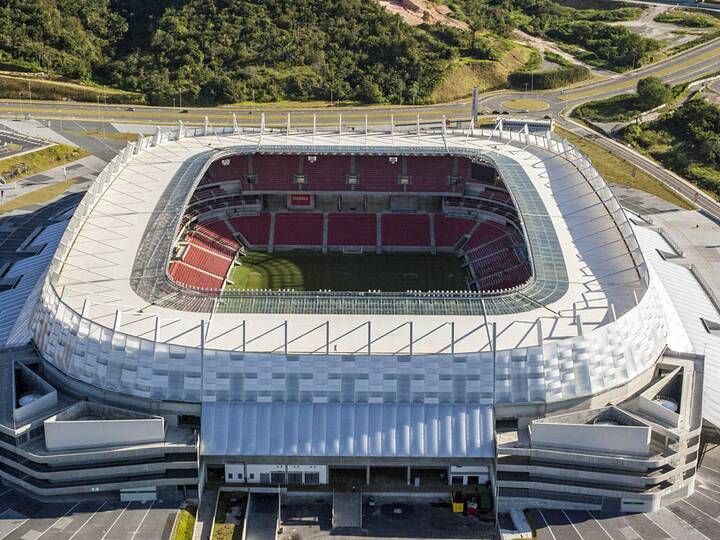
185,525
15,168
312,271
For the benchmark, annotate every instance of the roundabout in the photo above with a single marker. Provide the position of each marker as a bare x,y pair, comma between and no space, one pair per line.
526,104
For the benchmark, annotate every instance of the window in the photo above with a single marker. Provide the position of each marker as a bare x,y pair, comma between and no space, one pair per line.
312,478
230,476
252,476
294,478
277,477
264,478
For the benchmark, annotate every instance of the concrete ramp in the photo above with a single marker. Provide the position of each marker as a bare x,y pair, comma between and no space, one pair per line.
347,510
261,523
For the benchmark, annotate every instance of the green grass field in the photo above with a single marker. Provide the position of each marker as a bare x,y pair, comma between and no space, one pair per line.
312,271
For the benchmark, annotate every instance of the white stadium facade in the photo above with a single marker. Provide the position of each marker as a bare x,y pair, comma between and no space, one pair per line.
570,375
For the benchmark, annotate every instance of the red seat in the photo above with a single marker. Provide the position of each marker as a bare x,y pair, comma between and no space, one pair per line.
408,230
293,229
352,230
449,230
254,229
191,277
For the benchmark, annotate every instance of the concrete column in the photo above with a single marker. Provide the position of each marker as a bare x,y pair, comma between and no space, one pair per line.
578,322
234,124
118,320
539,332
408,475
411,337
369,336
156,336
285,337
367,474
452,337
138,143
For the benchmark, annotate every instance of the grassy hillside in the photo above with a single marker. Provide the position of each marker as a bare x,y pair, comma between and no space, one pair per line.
485,74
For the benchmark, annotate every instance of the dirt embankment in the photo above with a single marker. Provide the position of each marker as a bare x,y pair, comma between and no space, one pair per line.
416,12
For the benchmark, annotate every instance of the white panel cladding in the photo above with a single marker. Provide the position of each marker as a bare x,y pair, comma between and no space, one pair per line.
570,368
347,430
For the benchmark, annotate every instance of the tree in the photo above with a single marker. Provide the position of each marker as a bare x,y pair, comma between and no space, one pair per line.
652,92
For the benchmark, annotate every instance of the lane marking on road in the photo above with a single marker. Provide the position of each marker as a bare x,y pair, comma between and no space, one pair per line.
686,521
23,522
58,519
699,510
656,524
705,484
600,524
705,467
87,520
708,498
547,525
571,523
142,521
116,520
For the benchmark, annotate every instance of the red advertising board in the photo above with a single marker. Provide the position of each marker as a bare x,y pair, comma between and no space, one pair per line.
301,200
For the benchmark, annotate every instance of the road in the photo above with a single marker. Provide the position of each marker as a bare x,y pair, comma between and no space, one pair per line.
681,3
683,67
687,190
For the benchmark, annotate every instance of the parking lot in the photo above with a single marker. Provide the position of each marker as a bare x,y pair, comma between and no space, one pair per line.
694,518
389,517
22,518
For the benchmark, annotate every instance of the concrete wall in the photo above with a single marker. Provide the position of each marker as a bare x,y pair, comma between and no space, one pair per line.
633,440
40,405
71,435
654,410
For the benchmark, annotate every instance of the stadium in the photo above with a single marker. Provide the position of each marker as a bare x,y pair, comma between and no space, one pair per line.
396,309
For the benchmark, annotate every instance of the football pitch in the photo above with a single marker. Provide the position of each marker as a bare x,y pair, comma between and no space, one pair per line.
313,271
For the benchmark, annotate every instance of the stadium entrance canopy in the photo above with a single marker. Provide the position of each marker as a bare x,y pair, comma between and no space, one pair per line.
347,430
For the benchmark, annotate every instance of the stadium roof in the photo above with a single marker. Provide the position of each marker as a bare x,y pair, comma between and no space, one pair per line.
562,208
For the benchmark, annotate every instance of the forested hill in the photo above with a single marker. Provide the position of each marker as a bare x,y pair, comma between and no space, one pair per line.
219,51
224,51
